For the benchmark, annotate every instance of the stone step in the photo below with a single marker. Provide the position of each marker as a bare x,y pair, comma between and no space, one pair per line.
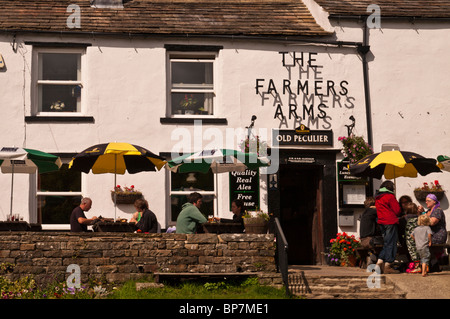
339,289
356,296
334,280
342,287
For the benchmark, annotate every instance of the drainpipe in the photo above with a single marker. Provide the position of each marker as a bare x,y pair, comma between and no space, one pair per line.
363,49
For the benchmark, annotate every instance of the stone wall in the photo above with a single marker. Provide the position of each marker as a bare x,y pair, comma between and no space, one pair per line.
118,257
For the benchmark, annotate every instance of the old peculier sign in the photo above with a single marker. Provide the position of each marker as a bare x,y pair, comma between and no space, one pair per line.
293,138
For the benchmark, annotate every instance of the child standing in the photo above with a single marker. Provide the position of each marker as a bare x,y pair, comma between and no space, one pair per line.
422,236
411,216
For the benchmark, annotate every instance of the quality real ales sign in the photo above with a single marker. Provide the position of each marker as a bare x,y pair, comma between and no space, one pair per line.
245,186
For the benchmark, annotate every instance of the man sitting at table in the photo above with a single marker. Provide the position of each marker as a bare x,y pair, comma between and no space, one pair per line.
78,220
190,215
148,223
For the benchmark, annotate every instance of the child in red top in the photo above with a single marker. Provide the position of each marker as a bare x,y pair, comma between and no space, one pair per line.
388,212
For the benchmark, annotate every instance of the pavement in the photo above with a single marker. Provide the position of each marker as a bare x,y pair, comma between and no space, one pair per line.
434,286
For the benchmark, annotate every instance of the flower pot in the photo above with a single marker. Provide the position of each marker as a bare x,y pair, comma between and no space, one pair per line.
256,225
123,198
422,194
350,263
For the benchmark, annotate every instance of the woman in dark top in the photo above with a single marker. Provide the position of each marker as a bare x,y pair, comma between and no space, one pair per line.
148,222
368,226
437,218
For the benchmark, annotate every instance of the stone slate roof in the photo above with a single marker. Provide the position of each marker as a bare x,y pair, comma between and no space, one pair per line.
166,17
431,9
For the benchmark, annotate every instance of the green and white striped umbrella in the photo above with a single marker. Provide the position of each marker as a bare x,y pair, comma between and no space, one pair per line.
218,160
444,162
15,160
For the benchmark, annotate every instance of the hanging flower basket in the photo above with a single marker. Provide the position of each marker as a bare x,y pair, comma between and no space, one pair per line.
254,145
355,148
434,188
127,196
422,195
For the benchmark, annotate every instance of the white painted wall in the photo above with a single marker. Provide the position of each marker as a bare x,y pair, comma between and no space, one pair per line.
125,92
409,90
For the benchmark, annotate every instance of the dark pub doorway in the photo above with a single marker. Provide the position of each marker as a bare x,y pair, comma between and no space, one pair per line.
300,211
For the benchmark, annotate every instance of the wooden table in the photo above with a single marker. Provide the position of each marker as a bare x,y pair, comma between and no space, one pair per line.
115,227
221,228
14,226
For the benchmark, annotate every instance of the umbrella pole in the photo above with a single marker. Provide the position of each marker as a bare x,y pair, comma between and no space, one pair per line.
115,183
395,184
217,195
12,189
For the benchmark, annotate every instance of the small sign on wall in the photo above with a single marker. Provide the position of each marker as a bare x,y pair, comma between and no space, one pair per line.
245,186
293,138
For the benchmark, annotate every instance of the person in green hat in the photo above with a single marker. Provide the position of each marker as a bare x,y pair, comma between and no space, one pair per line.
388,213
190,215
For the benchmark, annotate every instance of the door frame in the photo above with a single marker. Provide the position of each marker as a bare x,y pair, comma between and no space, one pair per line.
326,197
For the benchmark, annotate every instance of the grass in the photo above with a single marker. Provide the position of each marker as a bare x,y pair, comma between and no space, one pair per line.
248,289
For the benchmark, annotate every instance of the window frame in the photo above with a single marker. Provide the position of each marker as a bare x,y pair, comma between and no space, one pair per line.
36,68
213,193
192,57
64,160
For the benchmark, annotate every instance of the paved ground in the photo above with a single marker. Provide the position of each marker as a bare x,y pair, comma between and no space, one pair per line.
434,286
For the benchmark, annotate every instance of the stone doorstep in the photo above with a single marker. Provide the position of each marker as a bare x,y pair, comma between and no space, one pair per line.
356,296
343,287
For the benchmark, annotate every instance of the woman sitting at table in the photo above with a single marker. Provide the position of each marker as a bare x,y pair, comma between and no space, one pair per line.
237,207
147,222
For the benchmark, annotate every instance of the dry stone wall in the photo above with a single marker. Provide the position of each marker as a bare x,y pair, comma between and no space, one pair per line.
118,257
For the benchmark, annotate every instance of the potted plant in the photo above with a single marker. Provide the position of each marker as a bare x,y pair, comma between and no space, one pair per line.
127,195
434,188
343,249
355,148
188,104
256,222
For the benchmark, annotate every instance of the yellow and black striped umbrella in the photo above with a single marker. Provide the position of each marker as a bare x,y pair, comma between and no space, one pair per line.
116,158
393,164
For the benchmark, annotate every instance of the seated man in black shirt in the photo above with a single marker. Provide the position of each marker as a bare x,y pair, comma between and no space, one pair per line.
78,220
